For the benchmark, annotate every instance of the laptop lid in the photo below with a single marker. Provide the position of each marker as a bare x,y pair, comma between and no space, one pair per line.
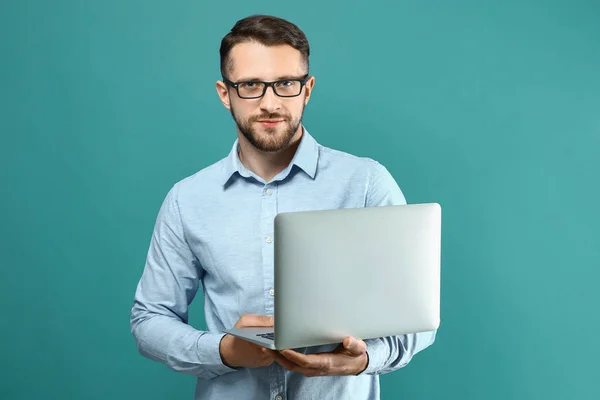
363,272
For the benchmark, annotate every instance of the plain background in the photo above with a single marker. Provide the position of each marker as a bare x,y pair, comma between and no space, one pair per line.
490,108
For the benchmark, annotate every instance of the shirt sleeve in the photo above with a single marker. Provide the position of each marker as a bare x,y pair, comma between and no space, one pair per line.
169,283
388,354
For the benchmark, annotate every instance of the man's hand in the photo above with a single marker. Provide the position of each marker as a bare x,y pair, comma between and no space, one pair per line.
349,358
236,352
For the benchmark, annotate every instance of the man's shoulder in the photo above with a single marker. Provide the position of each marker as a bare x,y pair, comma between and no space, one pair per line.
359,170
346,163
336,156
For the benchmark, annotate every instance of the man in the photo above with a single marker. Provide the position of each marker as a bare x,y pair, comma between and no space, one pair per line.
215,229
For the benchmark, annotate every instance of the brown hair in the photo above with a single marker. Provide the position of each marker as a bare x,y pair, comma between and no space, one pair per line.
264,29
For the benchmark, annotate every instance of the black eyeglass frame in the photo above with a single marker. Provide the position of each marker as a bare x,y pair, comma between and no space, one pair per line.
272,84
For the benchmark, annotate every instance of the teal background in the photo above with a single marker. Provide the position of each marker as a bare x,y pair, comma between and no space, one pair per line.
490,108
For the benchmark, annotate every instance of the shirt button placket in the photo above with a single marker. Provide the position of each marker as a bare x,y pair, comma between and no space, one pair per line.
269,210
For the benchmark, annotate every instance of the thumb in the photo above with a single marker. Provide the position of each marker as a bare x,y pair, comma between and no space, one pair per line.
355,346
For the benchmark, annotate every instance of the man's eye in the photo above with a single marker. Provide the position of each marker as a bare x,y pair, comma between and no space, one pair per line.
286,83
248,85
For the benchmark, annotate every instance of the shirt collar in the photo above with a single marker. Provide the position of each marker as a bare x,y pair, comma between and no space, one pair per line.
306,158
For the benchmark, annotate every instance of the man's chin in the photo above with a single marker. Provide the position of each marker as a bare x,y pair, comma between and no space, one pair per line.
271,146
270,140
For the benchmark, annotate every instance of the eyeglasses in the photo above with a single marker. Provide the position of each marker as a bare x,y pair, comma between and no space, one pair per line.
256,89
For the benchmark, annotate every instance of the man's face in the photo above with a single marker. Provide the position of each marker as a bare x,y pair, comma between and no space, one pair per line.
269,123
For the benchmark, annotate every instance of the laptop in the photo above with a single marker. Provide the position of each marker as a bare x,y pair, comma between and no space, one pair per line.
363,272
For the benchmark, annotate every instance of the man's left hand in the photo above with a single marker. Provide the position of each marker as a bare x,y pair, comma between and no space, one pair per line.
349,358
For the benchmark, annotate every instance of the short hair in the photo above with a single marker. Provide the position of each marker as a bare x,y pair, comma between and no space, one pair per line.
267,30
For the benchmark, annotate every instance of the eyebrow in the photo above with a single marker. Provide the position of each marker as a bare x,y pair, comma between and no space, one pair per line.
281,78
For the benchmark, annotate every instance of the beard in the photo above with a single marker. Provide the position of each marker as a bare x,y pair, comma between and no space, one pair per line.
269,140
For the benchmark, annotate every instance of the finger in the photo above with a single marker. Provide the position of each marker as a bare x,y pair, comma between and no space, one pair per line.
254,320
295,357
287,364
355,346
318,361
293,367
267,356
309,373
270,353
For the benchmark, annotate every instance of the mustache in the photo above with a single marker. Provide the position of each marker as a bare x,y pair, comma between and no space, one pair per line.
269,116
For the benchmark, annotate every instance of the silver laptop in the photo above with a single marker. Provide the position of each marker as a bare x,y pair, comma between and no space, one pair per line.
363,272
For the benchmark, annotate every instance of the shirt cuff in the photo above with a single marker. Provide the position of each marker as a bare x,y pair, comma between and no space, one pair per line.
209,355
377,352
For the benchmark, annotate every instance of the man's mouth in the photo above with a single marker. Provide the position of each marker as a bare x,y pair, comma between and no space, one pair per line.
270,123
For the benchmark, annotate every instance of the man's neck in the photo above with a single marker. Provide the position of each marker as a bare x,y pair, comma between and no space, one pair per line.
267,165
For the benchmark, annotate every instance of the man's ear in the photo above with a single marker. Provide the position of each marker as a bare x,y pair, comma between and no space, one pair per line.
223,94
308,87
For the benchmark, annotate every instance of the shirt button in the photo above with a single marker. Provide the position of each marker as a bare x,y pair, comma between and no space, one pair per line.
278,397
269,192
269,239
272,292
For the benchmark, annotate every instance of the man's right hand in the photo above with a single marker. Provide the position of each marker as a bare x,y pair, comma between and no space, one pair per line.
236,352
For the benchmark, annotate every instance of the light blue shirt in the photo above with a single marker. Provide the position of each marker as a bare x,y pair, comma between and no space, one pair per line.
215,229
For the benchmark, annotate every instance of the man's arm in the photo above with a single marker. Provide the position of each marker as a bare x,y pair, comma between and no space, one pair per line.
159,317
390,353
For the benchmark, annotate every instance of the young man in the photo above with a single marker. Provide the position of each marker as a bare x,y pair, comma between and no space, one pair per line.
215,229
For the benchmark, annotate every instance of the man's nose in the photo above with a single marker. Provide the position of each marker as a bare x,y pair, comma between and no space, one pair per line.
270,101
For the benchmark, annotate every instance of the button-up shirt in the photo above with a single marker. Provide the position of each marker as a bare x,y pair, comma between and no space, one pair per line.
215,230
